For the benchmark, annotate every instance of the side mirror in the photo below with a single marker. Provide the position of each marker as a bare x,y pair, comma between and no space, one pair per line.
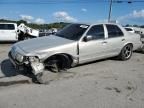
88,38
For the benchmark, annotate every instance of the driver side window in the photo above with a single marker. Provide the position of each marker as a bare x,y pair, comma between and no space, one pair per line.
97,32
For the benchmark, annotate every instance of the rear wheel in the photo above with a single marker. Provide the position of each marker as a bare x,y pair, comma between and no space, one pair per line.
126,52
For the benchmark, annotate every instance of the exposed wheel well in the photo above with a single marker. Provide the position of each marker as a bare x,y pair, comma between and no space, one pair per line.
64,59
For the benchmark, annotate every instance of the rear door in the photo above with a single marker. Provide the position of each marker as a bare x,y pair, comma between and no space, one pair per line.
115,39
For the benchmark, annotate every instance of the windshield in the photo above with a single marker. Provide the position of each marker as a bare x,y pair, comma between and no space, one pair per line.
72,31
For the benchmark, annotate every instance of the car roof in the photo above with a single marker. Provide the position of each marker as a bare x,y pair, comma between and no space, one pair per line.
97,23
7,23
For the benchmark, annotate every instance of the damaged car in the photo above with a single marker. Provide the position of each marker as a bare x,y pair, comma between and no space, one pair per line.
73,45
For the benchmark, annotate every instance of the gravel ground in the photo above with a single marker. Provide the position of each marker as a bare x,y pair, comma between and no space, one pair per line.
102,84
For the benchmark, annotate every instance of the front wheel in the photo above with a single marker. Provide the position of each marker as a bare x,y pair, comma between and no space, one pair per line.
126,52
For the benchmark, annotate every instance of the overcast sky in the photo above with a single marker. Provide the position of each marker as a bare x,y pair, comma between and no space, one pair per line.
47,11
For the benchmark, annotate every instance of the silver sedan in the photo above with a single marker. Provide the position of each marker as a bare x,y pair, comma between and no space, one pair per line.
75,44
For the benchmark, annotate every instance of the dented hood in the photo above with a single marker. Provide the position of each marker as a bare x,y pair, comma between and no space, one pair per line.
42,43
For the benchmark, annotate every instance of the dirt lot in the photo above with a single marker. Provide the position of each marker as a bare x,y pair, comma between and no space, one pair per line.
103,84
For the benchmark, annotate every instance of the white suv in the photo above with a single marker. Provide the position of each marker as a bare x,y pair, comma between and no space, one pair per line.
8,32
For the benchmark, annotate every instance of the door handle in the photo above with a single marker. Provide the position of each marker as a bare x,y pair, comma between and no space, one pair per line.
104,42
123,39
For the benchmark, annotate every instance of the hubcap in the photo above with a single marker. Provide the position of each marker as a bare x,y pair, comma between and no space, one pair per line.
127,51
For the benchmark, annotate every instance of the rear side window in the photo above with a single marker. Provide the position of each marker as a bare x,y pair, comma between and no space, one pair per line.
97,32
114,31
10,26
7,27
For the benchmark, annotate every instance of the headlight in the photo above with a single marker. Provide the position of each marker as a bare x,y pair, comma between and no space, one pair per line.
19,57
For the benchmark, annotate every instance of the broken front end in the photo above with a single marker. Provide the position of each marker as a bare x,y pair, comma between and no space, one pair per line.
23,63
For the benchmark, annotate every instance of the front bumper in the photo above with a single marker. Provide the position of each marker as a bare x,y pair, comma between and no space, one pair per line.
36,67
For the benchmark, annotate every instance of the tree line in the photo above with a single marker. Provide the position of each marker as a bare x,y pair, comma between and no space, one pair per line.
51,25
38,26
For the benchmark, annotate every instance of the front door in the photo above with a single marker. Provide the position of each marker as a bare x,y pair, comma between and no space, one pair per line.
95,48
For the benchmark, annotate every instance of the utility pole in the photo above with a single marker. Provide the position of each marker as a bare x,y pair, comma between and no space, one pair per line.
110,6
110,10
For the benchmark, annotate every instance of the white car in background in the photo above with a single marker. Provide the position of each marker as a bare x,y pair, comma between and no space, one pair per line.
130,29
137,30
13,32
8,32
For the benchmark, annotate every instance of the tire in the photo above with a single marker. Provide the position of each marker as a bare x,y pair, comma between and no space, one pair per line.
126,52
